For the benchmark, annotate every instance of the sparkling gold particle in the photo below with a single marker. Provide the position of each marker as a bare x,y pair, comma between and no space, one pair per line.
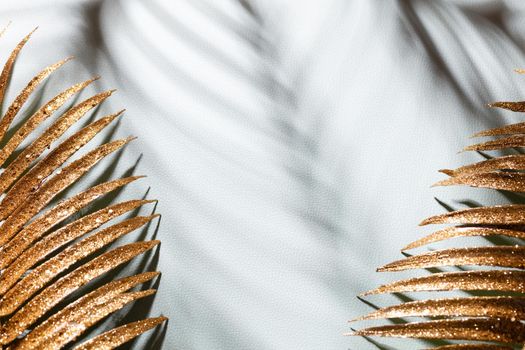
82,306
112,339
19,101
23,187
33,151
53,294
34,203
41,275
38,117
511,106
498,307
502,256
513,162
454,232
496,280
495,215
494,180
506,142
57,214
501,330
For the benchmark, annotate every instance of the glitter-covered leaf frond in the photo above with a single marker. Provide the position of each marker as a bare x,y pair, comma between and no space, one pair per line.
492,321
49,252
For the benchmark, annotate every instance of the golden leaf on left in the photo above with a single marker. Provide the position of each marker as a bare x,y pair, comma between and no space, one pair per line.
43,265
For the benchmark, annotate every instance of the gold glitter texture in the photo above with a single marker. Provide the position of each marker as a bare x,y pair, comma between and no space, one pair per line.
56,292
496,180
502,256
513,214
45,266
518,128
511,106
81,308
36,119
465,231
30,181
499,307
61,336
49,189
35,149
120,335
514,162
37,228
494,280
61,237
501,330
8,67
506,142
45,272
19,101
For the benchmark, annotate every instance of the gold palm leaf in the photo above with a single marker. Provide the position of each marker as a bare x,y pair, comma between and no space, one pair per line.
496,321
48,252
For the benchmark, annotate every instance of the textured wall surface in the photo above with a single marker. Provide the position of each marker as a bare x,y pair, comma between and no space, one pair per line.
291,143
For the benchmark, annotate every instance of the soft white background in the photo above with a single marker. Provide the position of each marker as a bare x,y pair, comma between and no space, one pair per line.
291,143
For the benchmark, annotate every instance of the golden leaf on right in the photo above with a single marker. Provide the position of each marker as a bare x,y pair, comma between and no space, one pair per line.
492,315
